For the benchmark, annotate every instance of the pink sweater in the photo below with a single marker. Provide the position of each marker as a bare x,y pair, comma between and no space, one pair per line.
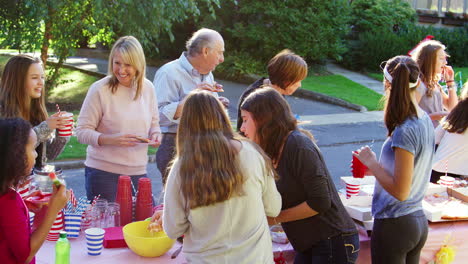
15,231
106,113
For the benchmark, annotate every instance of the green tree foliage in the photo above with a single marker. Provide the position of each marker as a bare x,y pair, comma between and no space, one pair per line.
380,15
375,32
62,24
311,28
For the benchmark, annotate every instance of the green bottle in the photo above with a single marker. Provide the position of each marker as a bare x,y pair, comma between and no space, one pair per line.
62,249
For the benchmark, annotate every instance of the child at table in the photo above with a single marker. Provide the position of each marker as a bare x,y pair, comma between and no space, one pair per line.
219,190
17,156
402,174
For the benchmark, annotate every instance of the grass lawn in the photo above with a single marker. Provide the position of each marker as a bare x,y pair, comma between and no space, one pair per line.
343,88
74,150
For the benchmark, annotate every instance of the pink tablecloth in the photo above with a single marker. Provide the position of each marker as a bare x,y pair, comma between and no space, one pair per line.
46,254
437,234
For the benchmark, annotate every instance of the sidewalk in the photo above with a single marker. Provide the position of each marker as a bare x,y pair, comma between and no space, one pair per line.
357,77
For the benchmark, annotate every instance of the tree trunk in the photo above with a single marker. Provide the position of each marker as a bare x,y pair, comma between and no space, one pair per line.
47,36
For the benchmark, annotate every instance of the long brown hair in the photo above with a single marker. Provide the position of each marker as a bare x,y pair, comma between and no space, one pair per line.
273,118
14,98
132,53
426,58
457,119
209,168
398,105
286,68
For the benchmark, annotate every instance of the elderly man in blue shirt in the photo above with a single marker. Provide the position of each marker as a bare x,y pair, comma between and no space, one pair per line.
176,79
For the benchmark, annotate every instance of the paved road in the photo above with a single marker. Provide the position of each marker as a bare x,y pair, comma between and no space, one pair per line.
335,140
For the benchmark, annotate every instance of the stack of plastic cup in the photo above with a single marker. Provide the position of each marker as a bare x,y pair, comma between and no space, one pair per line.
358,168
94,239
144,200
124,198
56,228
31,219
352,188
447,181
73,224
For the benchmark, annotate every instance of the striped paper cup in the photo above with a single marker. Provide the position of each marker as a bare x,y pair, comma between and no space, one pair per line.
94,240
72,224
56,228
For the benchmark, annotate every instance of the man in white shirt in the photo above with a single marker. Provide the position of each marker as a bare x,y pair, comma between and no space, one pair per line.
176,79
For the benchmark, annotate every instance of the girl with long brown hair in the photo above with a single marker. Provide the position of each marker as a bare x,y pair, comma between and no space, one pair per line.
402,174
22,95
312,216
219,190
432,60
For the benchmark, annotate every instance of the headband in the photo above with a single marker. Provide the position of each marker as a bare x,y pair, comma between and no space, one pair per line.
390,78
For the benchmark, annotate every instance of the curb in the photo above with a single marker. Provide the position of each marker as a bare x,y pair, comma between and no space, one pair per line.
328,99
78,164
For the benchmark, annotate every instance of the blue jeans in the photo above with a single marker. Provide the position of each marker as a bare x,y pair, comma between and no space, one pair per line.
165,154
105,183
340,249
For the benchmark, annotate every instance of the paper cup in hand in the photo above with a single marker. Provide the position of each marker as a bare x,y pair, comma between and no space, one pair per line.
67,130
352,188
94,240
358,168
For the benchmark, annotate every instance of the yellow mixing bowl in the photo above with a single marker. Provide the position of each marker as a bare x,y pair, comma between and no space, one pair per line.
144,243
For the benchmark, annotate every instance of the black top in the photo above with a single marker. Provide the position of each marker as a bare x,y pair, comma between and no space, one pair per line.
254,86
305,177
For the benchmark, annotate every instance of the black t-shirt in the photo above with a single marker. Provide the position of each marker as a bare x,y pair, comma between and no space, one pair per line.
305,177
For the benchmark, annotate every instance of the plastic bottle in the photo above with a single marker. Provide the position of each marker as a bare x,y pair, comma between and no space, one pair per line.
62,249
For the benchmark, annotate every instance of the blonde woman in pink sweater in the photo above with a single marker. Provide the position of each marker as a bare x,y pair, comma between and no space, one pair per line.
119,112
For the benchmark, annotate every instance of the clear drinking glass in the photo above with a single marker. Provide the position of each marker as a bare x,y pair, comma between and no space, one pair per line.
113,215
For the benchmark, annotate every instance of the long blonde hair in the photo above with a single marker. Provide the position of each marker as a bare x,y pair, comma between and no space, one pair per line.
426,58
208,165
14,98
132,53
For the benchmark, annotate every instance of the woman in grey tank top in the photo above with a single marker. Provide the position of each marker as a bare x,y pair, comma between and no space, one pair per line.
432,60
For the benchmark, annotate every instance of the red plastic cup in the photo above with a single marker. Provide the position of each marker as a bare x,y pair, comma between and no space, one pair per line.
124,199
358,168
144,200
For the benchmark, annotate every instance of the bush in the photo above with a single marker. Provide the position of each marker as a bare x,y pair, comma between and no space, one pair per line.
239,66
313,29
371,48
380,15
